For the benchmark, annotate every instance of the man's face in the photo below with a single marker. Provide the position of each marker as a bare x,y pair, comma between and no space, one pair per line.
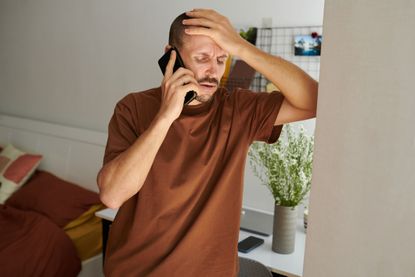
207,60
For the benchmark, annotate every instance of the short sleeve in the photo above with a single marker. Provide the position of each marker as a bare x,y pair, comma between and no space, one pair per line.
122,131
259,111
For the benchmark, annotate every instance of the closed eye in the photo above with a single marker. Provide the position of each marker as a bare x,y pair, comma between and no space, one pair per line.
220,61
202,60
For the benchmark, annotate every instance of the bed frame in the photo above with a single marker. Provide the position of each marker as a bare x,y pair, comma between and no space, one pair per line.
73,154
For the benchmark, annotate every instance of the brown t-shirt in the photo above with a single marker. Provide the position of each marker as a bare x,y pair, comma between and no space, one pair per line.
185,219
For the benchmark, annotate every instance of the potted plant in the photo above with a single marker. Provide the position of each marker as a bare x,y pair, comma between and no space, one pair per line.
285,168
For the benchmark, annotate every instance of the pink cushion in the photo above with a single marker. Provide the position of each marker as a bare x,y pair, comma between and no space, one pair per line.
20,167
16,166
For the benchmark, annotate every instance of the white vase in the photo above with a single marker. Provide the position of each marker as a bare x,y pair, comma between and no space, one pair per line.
283,236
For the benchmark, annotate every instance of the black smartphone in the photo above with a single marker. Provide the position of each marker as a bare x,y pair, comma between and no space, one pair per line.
249,244
164,60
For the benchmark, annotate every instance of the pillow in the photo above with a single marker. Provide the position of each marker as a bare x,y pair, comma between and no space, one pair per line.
16,167
59,200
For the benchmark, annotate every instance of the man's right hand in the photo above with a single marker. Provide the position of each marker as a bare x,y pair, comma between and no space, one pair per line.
174,87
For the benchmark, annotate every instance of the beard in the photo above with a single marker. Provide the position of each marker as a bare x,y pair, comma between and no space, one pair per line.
206,98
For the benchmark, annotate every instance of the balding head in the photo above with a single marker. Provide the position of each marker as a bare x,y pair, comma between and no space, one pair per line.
177,31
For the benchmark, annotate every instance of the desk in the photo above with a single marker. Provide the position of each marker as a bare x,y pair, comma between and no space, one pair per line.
289,265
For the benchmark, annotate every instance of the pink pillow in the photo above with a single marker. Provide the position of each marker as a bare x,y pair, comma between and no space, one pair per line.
59,200
16,167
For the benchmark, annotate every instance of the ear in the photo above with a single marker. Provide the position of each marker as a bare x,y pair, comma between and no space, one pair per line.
167,48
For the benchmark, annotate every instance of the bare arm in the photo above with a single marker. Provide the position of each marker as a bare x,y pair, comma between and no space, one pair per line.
298,88
124,176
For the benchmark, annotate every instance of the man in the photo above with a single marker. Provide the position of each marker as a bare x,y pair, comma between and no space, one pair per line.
175,171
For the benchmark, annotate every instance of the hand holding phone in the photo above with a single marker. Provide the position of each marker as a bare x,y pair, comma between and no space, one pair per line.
164,60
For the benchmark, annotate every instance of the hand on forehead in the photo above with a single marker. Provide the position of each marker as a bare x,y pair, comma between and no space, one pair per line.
217,27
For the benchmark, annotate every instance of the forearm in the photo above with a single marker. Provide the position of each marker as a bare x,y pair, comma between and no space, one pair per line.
298,88
124,176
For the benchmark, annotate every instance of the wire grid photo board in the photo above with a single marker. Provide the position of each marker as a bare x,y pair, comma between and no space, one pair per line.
279,41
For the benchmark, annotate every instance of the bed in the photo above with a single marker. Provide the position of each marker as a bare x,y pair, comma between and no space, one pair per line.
48,225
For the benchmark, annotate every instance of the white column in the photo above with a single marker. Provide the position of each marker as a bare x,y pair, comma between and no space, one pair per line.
362,210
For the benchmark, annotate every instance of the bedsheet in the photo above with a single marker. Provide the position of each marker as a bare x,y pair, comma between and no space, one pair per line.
32,245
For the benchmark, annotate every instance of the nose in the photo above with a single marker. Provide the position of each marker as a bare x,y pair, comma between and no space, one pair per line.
212,69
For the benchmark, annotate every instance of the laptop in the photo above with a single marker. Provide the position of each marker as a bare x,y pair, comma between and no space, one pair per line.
257,222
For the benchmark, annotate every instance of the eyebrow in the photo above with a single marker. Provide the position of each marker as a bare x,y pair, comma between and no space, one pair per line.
207,54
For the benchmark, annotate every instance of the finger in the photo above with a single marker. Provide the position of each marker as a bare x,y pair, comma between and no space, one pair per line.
207,13
180,73
189,87
183,90
184,80
183,71
212,15
199,22
199,31
178,80
170,65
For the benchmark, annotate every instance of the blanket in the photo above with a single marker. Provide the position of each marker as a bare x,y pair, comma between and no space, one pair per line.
32,245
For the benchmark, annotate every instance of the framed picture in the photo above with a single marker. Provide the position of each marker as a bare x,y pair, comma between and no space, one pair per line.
307,45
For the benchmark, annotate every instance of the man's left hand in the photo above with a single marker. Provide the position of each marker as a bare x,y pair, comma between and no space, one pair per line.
216,26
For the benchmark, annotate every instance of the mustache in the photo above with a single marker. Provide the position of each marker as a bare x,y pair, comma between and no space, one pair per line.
209,80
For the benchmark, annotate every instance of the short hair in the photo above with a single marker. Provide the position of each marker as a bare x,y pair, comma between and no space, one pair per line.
177,30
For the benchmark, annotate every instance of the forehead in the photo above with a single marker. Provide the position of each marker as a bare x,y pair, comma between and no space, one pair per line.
201,44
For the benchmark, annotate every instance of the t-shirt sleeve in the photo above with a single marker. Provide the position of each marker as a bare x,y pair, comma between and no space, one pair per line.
259,111
122,131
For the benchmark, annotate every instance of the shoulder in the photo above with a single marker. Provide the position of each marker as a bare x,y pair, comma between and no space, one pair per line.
147,96
139,101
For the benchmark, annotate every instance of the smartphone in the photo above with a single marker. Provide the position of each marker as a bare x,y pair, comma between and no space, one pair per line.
249,244
164,60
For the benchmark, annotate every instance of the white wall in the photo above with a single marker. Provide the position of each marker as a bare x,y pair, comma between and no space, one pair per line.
69,62
362,210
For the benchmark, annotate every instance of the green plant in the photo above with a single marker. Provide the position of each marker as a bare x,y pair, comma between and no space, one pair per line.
249,35
285,166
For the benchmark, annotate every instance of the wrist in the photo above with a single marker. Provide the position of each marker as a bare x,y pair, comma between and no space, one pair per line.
243,49
163,119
